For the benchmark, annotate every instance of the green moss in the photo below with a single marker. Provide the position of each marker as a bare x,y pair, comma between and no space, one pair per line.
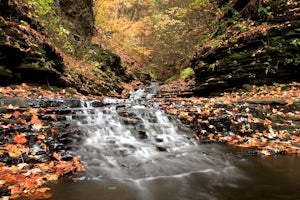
172,78
152,74
186,73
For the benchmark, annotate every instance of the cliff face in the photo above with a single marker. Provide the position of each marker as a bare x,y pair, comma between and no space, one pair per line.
262,49
25,53
56,48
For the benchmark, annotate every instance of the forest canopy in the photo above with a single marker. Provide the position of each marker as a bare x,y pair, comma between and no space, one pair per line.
161,35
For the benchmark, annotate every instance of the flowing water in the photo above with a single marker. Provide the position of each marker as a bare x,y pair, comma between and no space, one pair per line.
132,150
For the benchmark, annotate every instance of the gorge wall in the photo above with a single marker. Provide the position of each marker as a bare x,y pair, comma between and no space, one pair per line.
25,52
54,46
257,44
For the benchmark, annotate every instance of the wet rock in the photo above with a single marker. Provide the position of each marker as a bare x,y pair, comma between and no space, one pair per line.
161,148
4,192
142,135
97,104
13,101
246,60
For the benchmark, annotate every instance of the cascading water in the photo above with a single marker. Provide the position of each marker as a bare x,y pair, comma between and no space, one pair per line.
131,149
134,139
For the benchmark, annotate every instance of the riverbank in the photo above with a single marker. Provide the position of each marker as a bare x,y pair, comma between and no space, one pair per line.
33,149
266,120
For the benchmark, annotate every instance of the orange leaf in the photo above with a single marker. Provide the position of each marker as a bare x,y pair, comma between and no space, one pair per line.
56,156
196,136
33,111
15,190
38,195
13,151
20,139
44,189
289,102
16,114
22,121
7,116
35,120
211,136
78,165
51,177
28,184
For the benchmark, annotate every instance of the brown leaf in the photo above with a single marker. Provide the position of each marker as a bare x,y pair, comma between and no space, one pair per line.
53,116
33,111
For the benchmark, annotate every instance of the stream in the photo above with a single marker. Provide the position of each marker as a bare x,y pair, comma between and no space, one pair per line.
132,150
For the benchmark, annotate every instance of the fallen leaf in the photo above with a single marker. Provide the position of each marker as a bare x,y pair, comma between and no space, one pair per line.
20,139
53,116
289,102
57,156
22,121
44,189
35,120
7,116
77,164
16,114
196,136
37,126
33,111
13,150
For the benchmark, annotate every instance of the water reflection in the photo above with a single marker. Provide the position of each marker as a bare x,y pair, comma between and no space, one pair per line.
250,178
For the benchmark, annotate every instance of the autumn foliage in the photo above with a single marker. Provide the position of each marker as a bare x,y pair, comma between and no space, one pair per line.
27,160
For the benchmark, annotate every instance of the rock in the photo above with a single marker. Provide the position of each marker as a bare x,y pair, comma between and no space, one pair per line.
161,148
80,15
251,58
142,135
27,56
14,101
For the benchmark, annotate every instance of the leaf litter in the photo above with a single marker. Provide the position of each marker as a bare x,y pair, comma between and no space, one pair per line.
265,120
27,160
